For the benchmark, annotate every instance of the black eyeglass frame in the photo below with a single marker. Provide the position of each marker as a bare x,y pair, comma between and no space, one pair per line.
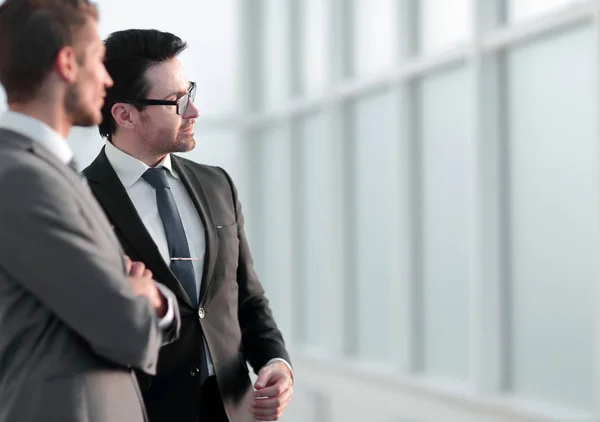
182,103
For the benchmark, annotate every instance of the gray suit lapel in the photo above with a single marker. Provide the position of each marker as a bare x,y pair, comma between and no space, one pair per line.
76,182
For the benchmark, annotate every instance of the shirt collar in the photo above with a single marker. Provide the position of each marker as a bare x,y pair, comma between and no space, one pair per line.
129,169
38,132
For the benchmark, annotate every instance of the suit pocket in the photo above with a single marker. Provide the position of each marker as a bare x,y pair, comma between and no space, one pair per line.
228,252
227,230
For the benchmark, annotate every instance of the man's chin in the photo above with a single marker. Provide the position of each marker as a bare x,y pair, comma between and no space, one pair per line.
186,144
88,120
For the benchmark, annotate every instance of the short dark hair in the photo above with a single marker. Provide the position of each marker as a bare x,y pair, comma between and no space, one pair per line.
129,54
31,34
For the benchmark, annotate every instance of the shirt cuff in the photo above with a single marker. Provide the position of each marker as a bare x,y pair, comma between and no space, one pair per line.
165,322
286,364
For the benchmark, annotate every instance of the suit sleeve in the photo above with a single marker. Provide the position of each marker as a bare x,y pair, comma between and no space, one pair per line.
262,341
48,246
171,322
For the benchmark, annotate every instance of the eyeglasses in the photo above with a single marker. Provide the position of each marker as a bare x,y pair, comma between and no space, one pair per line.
181,103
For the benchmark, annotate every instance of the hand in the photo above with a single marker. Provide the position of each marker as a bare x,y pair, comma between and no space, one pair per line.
142,284
273,392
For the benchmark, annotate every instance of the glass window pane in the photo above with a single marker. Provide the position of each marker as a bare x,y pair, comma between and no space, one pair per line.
554,217
211,31
86,143
374,32
317,253
275,62
209,27
377,226
447,209
524,9
315,45
211,59
226,149
444,23
310,402
274,244
223,148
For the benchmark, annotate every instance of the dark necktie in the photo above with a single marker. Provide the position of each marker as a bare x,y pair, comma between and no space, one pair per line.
75,167
73,164
176,238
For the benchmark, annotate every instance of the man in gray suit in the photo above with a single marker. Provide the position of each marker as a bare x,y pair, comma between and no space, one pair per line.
76,316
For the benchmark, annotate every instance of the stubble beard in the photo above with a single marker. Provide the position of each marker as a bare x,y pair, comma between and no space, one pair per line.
80,115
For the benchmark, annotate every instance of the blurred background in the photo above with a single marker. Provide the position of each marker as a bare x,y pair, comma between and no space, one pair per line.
421,186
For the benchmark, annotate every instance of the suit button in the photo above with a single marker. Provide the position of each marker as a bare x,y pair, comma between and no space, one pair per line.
201,313
194,371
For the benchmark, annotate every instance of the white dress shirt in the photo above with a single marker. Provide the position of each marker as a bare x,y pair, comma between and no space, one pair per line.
56,144
39,132
143,196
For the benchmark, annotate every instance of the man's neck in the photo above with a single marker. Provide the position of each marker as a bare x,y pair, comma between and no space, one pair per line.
51,116
146,157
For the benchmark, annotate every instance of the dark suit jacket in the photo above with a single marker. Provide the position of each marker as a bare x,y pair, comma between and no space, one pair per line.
233,312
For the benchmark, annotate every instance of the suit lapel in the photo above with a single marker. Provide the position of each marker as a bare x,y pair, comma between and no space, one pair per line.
110,192
194,187
76,181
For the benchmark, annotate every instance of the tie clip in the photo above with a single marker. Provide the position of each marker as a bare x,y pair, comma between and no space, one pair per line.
185,259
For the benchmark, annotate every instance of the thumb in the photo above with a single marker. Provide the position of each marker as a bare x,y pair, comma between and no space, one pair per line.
263,378
128,263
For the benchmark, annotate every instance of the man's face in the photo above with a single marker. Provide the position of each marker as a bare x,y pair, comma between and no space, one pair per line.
161,130
85,97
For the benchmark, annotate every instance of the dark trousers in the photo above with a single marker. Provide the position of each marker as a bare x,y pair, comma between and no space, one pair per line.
206,408
211,404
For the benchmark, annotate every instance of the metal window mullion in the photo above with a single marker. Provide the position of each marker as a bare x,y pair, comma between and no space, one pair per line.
248,76
488,315
407,305
341,38
596,22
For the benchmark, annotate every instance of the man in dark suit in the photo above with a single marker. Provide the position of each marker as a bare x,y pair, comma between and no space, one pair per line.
184,221
75,315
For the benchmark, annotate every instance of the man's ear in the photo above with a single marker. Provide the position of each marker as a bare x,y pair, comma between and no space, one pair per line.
124,114
66,65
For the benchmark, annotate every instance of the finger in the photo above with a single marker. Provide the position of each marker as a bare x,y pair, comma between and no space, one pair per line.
156,301
127,264
272,403
147,273
137,269
267,418
272,416
272,391
262,414
263,379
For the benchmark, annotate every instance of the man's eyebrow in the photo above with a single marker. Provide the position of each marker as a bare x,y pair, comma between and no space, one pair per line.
179,93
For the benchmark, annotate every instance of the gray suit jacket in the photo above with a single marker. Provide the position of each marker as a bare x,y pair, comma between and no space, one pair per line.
71,329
